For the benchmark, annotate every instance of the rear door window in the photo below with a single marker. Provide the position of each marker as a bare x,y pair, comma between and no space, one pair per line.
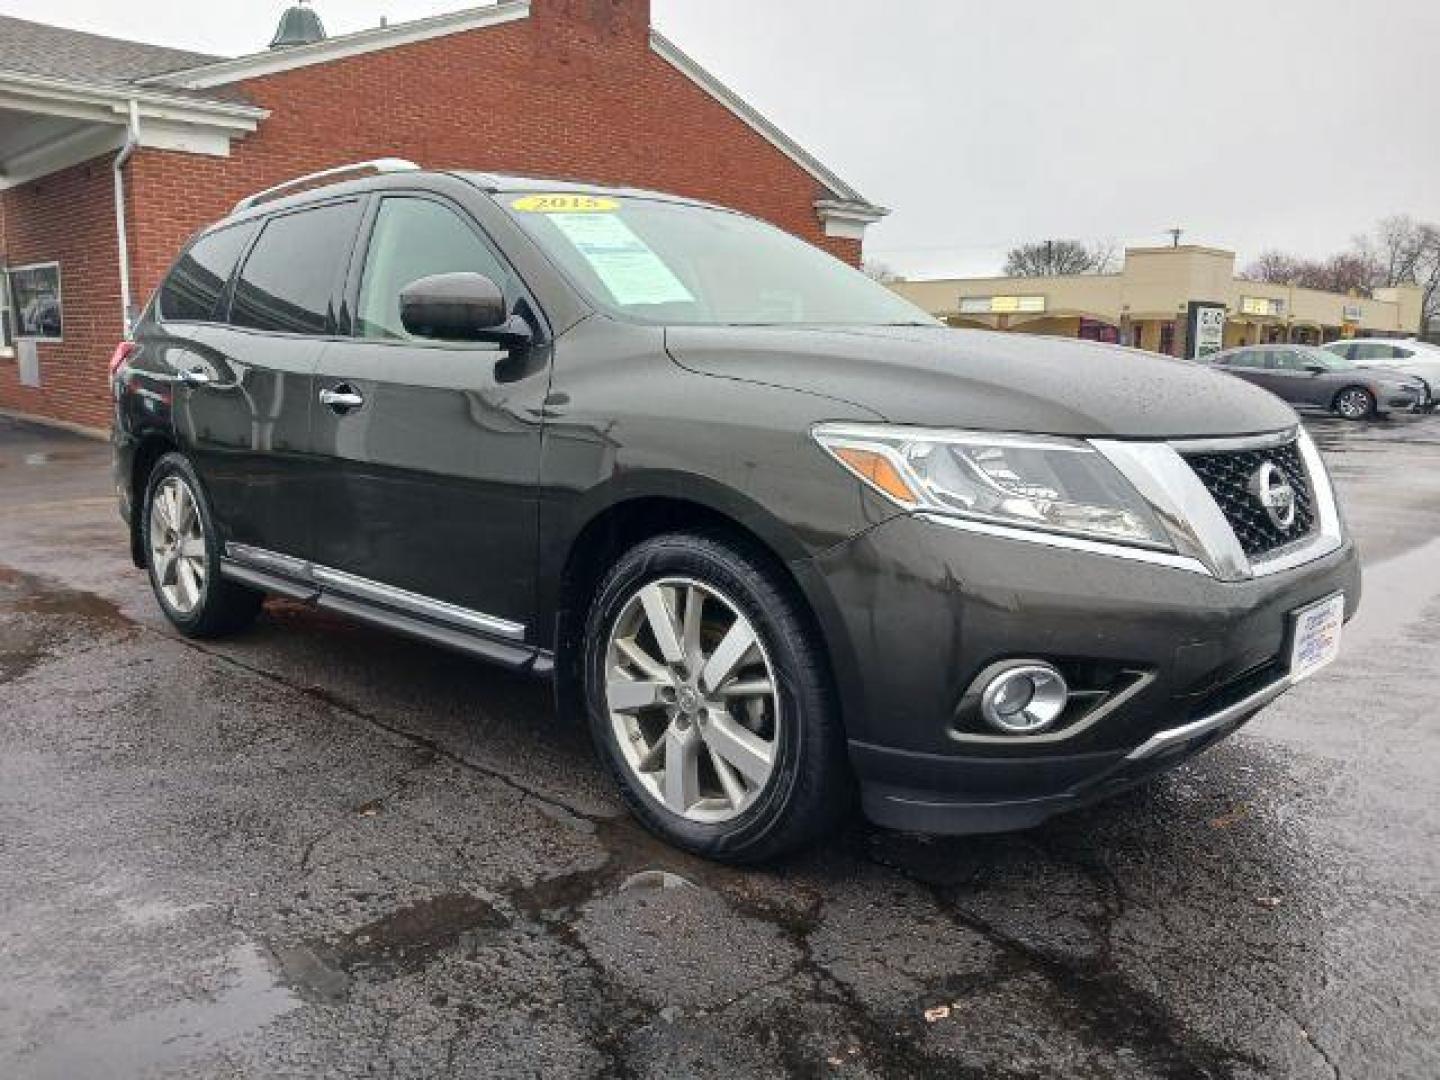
291,279
415,238
195,287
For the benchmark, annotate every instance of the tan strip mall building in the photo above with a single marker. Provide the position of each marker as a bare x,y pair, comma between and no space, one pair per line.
1147,304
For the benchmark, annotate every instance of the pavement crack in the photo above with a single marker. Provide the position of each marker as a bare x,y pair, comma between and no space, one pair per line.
424,742
397,785
1097,996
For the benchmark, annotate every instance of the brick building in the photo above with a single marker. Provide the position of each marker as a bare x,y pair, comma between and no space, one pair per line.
112,153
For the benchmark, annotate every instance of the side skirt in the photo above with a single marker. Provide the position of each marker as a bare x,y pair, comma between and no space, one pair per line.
450,627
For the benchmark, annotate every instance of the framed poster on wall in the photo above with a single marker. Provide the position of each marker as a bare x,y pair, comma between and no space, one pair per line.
35,301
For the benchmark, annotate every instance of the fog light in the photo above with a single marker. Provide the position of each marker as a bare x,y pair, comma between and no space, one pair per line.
1025,699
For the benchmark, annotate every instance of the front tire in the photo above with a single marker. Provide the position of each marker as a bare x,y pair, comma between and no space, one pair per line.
182,555
709,700
1355,403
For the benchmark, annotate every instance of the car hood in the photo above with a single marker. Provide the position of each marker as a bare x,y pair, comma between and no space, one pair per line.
1406,373
987,381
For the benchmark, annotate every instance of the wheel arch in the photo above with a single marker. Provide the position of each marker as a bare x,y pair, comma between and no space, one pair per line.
147,452
625,522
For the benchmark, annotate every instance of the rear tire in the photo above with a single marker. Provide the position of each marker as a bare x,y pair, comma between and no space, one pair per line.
1355,403
734,701
182,556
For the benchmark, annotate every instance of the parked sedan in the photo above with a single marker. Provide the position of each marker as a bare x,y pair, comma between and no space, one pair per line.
1311,378
1416,358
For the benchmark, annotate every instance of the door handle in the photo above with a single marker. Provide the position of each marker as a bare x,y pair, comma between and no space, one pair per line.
196,377
342,399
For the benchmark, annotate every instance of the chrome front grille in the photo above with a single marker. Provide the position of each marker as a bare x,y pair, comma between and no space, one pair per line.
1229,474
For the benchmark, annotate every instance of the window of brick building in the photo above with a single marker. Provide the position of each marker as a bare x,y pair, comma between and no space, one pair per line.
35,301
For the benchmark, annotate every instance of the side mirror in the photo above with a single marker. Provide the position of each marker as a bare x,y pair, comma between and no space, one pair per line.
460,307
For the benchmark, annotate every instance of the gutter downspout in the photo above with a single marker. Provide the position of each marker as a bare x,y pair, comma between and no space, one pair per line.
132,140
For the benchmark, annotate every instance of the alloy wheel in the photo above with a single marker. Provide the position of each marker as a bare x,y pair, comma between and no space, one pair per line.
1354,404
691,695
177,545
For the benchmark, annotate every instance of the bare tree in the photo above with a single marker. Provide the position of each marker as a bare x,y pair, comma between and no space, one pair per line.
1052,258
1397,248
1350,271
880,272
1275,267
1106,258
1406,252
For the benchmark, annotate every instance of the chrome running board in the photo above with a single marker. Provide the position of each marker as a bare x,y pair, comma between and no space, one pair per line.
475,632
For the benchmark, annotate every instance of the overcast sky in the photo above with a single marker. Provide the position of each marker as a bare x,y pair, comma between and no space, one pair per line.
1250,123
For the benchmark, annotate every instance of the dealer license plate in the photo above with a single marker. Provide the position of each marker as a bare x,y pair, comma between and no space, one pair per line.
1317,637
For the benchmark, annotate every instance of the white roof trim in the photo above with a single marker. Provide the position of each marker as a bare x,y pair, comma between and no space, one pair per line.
273,61
99,116
847,220
92,101
672,53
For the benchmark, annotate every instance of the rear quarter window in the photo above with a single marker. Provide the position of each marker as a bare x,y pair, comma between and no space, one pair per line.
195,286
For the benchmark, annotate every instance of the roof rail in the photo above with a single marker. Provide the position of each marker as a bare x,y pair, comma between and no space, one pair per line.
378,166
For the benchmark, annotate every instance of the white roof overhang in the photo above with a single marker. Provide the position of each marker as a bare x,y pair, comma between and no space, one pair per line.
47,124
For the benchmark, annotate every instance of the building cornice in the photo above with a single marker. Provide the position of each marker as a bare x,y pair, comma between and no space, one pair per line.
275,61
848,220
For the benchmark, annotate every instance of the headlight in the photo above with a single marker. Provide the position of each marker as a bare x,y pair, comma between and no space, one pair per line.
1023,481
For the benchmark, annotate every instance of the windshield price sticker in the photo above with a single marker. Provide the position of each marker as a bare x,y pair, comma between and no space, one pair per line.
565,204
628,267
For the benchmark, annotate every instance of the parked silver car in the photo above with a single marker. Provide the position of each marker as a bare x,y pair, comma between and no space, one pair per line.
1417,358
1311,378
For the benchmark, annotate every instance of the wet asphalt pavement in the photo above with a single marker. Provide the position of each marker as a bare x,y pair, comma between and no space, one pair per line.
320,850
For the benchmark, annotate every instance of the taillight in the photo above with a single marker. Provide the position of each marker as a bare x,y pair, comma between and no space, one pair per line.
123,352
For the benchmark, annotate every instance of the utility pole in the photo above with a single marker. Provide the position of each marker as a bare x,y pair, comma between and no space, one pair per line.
1175,235
1050,256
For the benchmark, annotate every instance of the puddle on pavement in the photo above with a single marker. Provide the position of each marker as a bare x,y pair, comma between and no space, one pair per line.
655,880
404,941
33,595
23,644
1377,435
248,999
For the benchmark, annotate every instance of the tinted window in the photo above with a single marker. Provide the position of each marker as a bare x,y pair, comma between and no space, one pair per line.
414,238
1374,352
193,290
1347,351
1247,359
289,280
1289,361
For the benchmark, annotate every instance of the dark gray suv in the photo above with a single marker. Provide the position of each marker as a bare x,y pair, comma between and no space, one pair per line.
778,535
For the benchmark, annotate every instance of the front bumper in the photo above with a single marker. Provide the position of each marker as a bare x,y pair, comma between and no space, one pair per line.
918,610
1401,399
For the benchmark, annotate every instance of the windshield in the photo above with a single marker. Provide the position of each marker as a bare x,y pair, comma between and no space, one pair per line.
662,262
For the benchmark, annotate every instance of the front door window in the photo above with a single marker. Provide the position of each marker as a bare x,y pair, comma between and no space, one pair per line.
415,238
